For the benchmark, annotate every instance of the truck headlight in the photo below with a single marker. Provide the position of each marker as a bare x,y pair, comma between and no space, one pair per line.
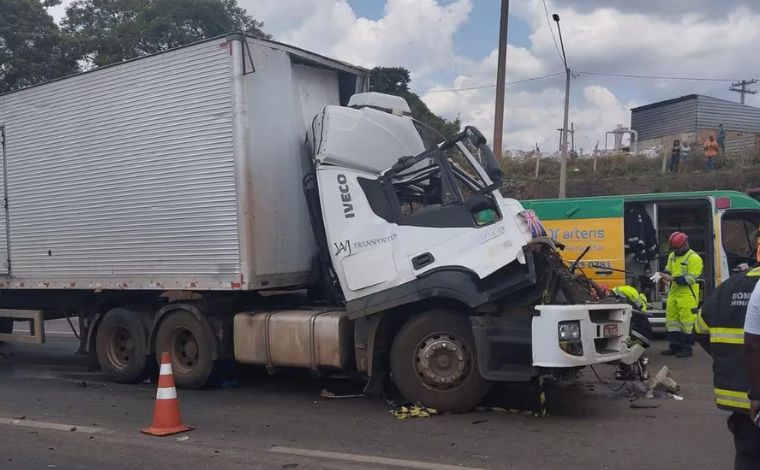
569,331
569,337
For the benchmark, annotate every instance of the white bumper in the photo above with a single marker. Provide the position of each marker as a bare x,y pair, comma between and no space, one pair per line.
599,340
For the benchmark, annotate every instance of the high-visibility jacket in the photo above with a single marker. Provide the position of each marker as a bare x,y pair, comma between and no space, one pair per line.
686,269
633,296
720,330
711,148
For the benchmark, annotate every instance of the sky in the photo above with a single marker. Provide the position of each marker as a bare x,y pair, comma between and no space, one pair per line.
453,44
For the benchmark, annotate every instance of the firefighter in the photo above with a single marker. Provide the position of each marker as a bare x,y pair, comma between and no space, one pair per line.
683,270
719,329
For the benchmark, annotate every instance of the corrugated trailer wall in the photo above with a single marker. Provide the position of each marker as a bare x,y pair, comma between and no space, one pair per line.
125,177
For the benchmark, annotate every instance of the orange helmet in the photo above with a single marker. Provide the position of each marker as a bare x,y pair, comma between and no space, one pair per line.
677,240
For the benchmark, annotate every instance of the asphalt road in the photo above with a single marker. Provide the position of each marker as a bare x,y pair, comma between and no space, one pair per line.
281,422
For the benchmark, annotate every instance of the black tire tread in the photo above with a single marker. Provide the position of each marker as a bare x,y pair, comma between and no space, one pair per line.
204,371
461,399
138,367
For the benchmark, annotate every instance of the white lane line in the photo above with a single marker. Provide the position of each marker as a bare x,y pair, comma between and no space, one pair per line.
367,459
52,426
48,332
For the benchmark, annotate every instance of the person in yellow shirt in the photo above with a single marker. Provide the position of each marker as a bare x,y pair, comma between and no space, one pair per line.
711,152
683,270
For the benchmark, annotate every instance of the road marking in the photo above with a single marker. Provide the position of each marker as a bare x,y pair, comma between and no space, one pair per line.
48,332
367,459
52,426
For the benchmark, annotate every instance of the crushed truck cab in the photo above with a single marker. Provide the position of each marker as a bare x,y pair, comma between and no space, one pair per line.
408,222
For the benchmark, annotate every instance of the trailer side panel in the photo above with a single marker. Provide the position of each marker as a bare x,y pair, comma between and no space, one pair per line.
124,177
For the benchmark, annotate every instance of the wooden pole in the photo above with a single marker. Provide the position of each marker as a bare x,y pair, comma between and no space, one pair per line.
501,75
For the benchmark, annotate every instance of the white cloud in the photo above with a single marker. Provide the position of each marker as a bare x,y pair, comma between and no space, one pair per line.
698,38
417,34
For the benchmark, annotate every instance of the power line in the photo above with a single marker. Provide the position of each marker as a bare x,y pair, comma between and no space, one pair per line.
657,77
741,88
549,23
480,87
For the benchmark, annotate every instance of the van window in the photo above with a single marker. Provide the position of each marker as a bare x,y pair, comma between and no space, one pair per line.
739,237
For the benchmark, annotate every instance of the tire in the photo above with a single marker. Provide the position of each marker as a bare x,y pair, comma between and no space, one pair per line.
447,337
121,346
191,346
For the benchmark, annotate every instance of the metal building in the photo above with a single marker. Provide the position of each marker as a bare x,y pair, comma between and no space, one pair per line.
693,118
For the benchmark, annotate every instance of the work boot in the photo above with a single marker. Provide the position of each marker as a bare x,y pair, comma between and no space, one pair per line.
672,350
685,352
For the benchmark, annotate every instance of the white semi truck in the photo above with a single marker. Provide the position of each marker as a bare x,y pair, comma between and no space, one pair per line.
243,199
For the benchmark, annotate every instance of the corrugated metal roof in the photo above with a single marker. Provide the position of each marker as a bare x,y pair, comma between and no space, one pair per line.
667,118
689,113
664,102
734,116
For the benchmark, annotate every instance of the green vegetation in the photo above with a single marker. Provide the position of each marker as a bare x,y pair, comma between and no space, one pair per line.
395,81
33,49
626,175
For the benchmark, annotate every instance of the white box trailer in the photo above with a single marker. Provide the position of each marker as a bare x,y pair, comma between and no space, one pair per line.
170,200
180,170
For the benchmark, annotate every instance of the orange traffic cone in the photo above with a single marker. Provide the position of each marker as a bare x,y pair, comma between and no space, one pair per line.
166,419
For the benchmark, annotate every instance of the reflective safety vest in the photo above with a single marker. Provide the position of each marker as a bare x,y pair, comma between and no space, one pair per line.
633,296
685,268
719,328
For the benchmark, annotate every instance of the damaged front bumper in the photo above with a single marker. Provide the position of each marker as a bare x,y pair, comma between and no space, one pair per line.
580,335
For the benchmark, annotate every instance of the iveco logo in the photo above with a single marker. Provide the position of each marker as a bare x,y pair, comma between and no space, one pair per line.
345,196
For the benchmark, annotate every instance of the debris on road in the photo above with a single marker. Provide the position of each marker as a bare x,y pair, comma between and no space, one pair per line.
644,405
20,417
183,438
414,411
662,385
327,394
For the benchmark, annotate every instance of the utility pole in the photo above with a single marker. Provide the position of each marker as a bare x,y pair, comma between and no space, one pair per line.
563,155
741,87
501,75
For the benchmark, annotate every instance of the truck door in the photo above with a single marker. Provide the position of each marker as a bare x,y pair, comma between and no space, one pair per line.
4,238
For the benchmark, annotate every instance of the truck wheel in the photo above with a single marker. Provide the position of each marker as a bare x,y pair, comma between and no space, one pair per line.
434,362
190,345
121,346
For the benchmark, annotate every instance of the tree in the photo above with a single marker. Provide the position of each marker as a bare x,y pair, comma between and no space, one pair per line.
109,31
395,81
31,47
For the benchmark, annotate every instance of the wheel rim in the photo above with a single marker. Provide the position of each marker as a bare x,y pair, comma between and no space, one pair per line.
121,347
442,361
184,347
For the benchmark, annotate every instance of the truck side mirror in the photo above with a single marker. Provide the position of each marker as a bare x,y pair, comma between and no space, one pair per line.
487,158
493,170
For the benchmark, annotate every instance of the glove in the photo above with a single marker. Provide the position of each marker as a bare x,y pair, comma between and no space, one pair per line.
681,280
656,277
